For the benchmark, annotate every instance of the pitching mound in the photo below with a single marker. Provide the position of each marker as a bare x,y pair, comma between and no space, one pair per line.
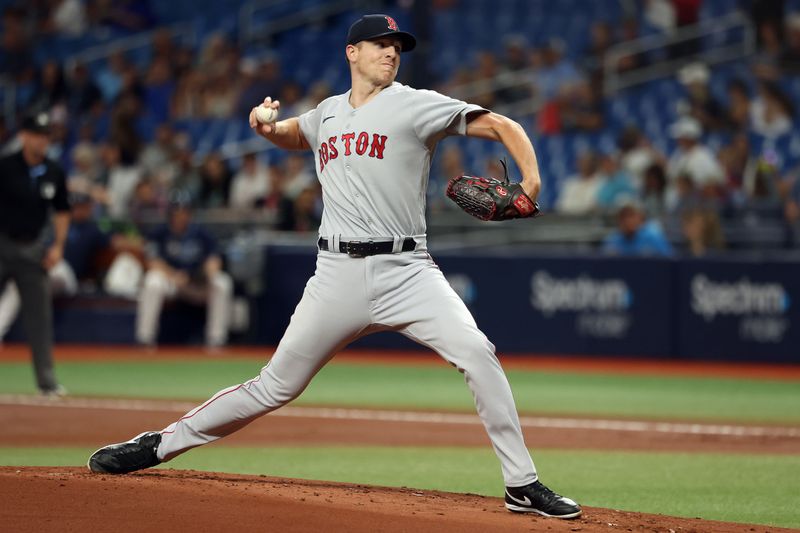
67,499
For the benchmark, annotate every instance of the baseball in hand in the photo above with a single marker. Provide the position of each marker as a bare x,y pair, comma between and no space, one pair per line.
266,115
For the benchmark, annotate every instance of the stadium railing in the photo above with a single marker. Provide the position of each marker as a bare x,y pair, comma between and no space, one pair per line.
658,46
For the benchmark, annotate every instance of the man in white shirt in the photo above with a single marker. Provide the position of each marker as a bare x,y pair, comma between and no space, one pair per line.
250,185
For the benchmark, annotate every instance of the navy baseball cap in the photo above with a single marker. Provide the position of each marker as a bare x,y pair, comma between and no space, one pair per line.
36,123
371,27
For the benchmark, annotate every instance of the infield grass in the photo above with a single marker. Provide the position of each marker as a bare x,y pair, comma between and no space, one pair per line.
438,388
733,487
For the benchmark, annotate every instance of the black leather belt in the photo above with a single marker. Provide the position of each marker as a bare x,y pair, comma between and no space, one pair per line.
365,248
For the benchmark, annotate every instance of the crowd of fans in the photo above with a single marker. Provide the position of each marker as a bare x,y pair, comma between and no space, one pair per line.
691,190
100,113
99,116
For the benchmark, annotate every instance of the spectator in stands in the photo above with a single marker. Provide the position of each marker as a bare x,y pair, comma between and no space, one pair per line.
120,181
306,215
318,92
772,112
515,60
703,231
701,104
290,97
215,184
276,200
636,235
219,97
660,15
628,32
636,154
298,175
683,195
165,49
693,159
790,58
452,162
187,98
251,184
159,88
616,184
67,18
109,78
148,202
582,108
158,159
449,163
556,71
601,37
51,89
515,56
59,135
83,94
183,262
483,80
16,53
123,128
187,175
737,165
766,62
260,77
762,184
770,13
85,172
213,56
737,116
654,191
578,195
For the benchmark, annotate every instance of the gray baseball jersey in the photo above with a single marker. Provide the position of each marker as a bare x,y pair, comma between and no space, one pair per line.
373,164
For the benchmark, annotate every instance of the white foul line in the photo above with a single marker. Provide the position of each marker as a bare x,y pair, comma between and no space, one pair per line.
419,417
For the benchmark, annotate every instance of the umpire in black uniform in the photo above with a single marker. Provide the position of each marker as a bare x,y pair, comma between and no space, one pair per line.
32,191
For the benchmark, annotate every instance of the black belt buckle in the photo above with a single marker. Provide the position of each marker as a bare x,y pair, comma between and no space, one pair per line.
359,248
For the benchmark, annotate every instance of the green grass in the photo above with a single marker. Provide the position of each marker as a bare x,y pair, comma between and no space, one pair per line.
661,397
733,487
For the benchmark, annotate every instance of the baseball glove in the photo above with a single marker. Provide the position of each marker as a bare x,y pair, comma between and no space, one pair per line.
491,198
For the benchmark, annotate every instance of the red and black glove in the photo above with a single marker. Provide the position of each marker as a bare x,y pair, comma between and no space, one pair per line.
491,198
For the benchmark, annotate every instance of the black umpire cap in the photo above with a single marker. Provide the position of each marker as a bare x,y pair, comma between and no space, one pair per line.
36,123
371,27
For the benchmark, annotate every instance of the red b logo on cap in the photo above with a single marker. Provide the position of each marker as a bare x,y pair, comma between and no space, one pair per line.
392,24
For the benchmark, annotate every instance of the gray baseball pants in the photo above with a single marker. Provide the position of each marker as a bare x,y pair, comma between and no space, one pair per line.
348,298
22,262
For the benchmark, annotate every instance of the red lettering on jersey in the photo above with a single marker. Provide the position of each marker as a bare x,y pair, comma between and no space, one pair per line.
323,156
362,142
391,23
332,144
347,137
328,150
378,146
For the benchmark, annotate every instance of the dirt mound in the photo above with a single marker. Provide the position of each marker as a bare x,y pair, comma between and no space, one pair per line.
67,499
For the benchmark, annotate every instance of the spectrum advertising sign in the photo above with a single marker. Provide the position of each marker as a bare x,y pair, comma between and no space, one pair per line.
612,306
741,310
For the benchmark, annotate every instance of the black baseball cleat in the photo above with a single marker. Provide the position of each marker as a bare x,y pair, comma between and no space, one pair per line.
136,454
537,498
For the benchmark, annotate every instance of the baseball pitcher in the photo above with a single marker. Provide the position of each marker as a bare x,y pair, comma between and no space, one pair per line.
373,147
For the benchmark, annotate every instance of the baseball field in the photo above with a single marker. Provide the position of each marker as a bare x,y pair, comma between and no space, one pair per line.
390,442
